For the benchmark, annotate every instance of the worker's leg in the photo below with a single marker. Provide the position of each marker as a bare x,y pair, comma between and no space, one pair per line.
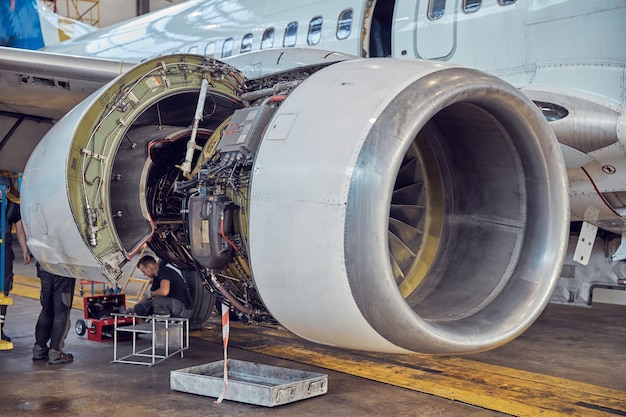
178,308
163,306
43,328
143,308
8,286
63,294
168,306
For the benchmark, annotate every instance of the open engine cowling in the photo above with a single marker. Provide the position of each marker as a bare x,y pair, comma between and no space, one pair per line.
390,206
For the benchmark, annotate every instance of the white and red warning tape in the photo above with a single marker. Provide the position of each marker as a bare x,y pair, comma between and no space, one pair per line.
225,333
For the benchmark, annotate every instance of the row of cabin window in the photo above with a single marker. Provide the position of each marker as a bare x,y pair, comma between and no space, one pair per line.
437,8
314,35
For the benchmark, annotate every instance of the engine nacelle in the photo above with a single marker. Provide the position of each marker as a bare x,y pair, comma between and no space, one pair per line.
381,204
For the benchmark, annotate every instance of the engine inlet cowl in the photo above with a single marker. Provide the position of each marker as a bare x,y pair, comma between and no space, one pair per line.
413,206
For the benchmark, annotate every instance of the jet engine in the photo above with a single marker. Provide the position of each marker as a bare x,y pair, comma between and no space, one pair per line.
374,204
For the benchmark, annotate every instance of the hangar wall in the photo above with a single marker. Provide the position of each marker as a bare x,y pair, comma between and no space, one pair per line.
111,11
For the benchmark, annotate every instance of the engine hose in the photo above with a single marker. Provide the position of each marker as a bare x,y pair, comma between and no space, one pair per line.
230,242
234,302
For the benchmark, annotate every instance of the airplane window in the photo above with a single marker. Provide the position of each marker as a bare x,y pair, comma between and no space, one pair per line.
227,48
506,2
209,50
470,6
193,49
551,111
291,33
268,38
246,43
344,24
315,30
436,9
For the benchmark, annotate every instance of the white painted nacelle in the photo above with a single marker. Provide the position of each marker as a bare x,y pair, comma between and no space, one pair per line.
383,205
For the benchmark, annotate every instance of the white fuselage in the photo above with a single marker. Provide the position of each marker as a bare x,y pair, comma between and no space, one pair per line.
571,49
525,42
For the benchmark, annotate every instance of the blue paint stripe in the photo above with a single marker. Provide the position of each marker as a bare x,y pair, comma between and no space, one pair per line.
21,27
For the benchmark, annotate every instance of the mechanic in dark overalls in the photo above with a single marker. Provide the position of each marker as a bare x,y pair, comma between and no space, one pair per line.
13,218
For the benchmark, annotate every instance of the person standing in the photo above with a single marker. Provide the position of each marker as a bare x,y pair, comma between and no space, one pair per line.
53,324
169,294
13,218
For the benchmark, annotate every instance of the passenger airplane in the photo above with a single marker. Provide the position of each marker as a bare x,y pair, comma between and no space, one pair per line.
405,192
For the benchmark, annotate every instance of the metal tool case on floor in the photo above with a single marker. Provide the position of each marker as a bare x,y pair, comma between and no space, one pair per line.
251,383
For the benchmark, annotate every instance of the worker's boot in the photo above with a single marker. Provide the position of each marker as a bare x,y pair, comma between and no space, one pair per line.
57,357
40,353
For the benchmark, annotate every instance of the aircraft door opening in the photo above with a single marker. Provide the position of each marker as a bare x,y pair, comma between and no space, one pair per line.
380,34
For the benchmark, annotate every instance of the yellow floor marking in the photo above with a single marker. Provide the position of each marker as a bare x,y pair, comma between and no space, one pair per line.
506,390
492,387
30,288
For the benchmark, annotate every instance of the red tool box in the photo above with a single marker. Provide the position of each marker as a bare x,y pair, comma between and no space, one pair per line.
99,322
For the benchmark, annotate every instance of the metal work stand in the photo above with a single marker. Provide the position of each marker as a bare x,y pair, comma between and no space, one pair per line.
170,336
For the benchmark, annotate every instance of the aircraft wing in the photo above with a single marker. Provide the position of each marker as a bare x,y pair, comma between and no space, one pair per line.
38,88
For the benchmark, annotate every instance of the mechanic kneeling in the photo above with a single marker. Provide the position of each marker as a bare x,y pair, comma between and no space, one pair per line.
169,295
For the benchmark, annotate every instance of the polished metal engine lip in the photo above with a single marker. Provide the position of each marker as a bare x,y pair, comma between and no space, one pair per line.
535,272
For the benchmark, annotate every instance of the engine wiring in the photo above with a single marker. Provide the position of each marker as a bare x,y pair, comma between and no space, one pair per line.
218,185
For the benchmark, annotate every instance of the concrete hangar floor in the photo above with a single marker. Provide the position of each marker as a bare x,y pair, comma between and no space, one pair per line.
571,362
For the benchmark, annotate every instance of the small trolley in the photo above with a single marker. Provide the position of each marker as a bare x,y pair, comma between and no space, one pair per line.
99,321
